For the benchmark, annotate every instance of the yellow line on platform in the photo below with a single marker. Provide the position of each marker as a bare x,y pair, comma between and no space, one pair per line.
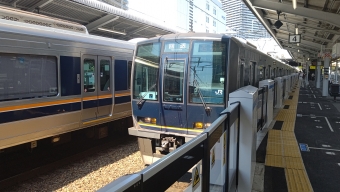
283,150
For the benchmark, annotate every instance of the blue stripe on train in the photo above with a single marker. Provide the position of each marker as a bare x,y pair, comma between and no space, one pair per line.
10,116
96,103
90,104
103,102
123,99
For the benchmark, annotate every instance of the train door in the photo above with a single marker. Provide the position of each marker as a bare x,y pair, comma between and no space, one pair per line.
97,94
105,97
174,91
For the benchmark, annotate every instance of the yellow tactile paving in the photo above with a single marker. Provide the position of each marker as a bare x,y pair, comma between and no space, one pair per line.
283,150
293,163
289,141
291,151
297,180
274,149
288,126
274,160
274,133
285,117
276,139
288,134
289,102
292,107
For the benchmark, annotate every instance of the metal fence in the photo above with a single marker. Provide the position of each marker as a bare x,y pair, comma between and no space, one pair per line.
212,157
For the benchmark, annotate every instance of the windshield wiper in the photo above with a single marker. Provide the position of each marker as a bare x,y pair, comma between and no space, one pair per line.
142,100
206,108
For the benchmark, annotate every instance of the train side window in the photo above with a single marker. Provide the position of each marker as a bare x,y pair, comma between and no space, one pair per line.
105,75
27,76
89,75
129,74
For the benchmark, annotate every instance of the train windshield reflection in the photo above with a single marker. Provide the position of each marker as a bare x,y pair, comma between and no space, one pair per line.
207,72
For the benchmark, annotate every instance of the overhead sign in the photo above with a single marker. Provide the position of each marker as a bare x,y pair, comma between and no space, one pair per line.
196,177
294,38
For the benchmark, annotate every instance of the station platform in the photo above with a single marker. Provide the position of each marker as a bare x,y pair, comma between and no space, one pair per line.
300,150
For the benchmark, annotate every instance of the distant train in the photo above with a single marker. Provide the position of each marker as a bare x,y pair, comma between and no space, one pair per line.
56,78
181,83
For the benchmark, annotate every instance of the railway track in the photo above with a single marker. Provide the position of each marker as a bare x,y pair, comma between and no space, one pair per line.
18,167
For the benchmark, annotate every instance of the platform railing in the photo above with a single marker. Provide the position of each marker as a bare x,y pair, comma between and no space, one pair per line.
212,157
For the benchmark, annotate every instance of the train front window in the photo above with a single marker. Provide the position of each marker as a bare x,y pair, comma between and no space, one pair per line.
146,71
173,80
207,72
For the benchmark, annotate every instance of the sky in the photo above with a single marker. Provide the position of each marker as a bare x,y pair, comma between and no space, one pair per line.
156,11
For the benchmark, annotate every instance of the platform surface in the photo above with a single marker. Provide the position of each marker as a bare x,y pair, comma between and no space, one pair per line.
301,150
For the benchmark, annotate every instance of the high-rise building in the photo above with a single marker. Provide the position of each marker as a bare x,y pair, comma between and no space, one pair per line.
240,19
123,4
186,15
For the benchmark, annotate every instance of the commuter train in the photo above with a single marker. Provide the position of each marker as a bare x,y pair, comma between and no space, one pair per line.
181,82
55,78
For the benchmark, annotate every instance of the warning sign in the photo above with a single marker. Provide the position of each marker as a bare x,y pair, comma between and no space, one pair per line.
213,157
196,177
224,147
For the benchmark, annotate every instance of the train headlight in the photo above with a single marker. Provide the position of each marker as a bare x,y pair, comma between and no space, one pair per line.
206,125
147,120
198,125
150,120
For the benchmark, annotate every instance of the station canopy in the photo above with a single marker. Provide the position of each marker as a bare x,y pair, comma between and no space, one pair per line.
317,22
99,18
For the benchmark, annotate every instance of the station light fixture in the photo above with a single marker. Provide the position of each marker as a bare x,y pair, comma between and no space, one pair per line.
298,50
296,30
112,31
294,4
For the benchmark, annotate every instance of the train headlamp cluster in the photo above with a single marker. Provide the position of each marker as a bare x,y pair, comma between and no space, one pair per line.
148,120
200,125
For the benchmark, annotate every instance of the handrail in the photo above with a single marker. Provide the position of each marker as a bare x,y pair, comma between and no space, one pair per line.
161,175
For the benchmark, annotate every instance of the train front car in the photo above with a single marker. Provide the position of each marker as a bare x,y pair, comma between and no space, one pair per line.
178,89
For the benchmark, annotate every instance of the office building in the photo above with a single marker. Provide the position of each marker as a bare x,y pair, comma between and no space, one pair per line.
185,15
240,19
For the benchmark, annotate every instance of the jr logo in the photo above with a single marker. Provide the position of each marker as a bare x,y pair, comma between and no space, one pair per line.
219,92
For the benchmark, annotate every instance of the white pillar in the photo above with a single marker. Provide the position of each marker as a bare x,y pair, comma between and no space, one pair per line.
336,71
325,77
307,71
318,74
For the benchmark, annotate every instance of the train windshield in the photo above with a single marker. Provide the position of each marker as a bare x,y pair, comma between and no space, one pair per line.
207,72
146,71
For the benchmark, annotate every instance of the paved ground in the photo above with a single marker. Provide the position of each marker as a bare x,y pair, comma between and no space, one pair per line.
318,126
316,133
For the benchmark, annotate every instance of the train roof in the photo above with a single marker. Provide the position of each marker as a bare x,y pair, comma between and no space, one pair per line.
189,35
24,23
210,36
